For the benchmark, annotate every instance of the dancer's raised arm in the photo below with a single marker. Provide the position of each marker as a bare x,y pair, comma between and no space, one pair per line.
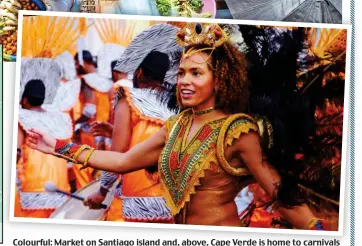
141,156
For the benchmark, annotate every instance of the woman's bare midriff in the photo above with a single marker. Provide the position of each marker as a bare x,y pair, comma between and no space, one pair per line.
214,202
218,215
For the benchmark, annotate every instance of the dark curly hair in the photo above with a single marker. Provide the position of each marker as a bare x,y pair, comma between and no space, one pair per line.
229,72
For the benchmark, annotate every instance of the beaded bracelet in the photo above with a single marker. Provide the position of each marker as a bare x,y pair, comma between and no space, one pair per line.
85,164
71,151
316,224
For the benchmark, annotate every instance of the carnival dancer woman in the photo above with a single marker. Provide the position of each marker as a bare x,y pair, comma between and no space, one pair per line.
34,168
39,83
93,105
138,114
207,153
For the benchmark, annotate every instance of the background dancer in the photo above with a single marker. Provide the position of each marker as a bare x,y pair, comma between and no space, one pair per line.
139,113
94,105
34,168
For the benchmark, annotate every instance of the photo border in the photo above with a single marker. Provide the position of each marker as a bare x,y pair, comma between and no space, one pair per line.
352,8
2,144
346,122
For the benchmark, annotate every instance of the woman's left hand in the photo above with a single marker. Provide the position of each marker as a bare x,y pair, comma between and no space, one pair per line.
41,141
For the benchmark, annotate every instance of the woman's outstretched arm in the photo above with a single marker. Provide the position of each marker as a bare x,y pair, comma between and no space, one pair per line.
141,156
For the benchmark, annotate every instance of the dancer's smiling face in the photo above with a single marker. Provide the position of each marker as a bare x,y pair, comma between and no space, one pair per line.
196,81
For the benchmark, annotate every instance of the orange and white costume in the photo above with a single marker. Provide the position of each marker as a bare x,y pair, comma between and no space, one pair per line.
100,82
138,196
99,111
34,169
139,191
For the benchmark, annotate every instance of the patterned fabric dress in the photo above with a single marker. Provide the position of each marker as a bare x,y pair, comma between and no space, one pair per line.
199,186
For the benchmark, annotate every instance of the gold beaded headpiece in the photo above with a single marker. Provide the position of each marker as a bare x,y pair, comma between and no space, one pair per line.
195,33
211,35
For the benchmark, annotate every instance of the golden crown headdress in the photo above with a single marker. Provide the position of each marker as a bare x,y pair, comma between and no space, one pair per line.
206,33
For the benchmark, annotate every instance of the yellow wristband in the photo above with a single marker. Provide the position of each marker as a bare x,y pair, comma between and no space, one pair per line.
85,164
79,151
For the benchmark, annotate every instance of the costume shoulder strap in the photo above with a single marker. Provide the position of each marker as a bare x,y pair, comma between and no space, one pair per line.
233,127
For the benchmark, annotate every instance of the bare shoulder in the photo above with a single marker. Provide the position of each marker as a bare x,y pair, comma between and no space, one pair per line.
122,105
247,141
122,112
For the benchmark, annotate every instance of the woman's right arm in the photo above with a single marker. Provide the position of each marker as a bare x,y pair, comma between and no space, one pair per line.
121,135
121,138
142,155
